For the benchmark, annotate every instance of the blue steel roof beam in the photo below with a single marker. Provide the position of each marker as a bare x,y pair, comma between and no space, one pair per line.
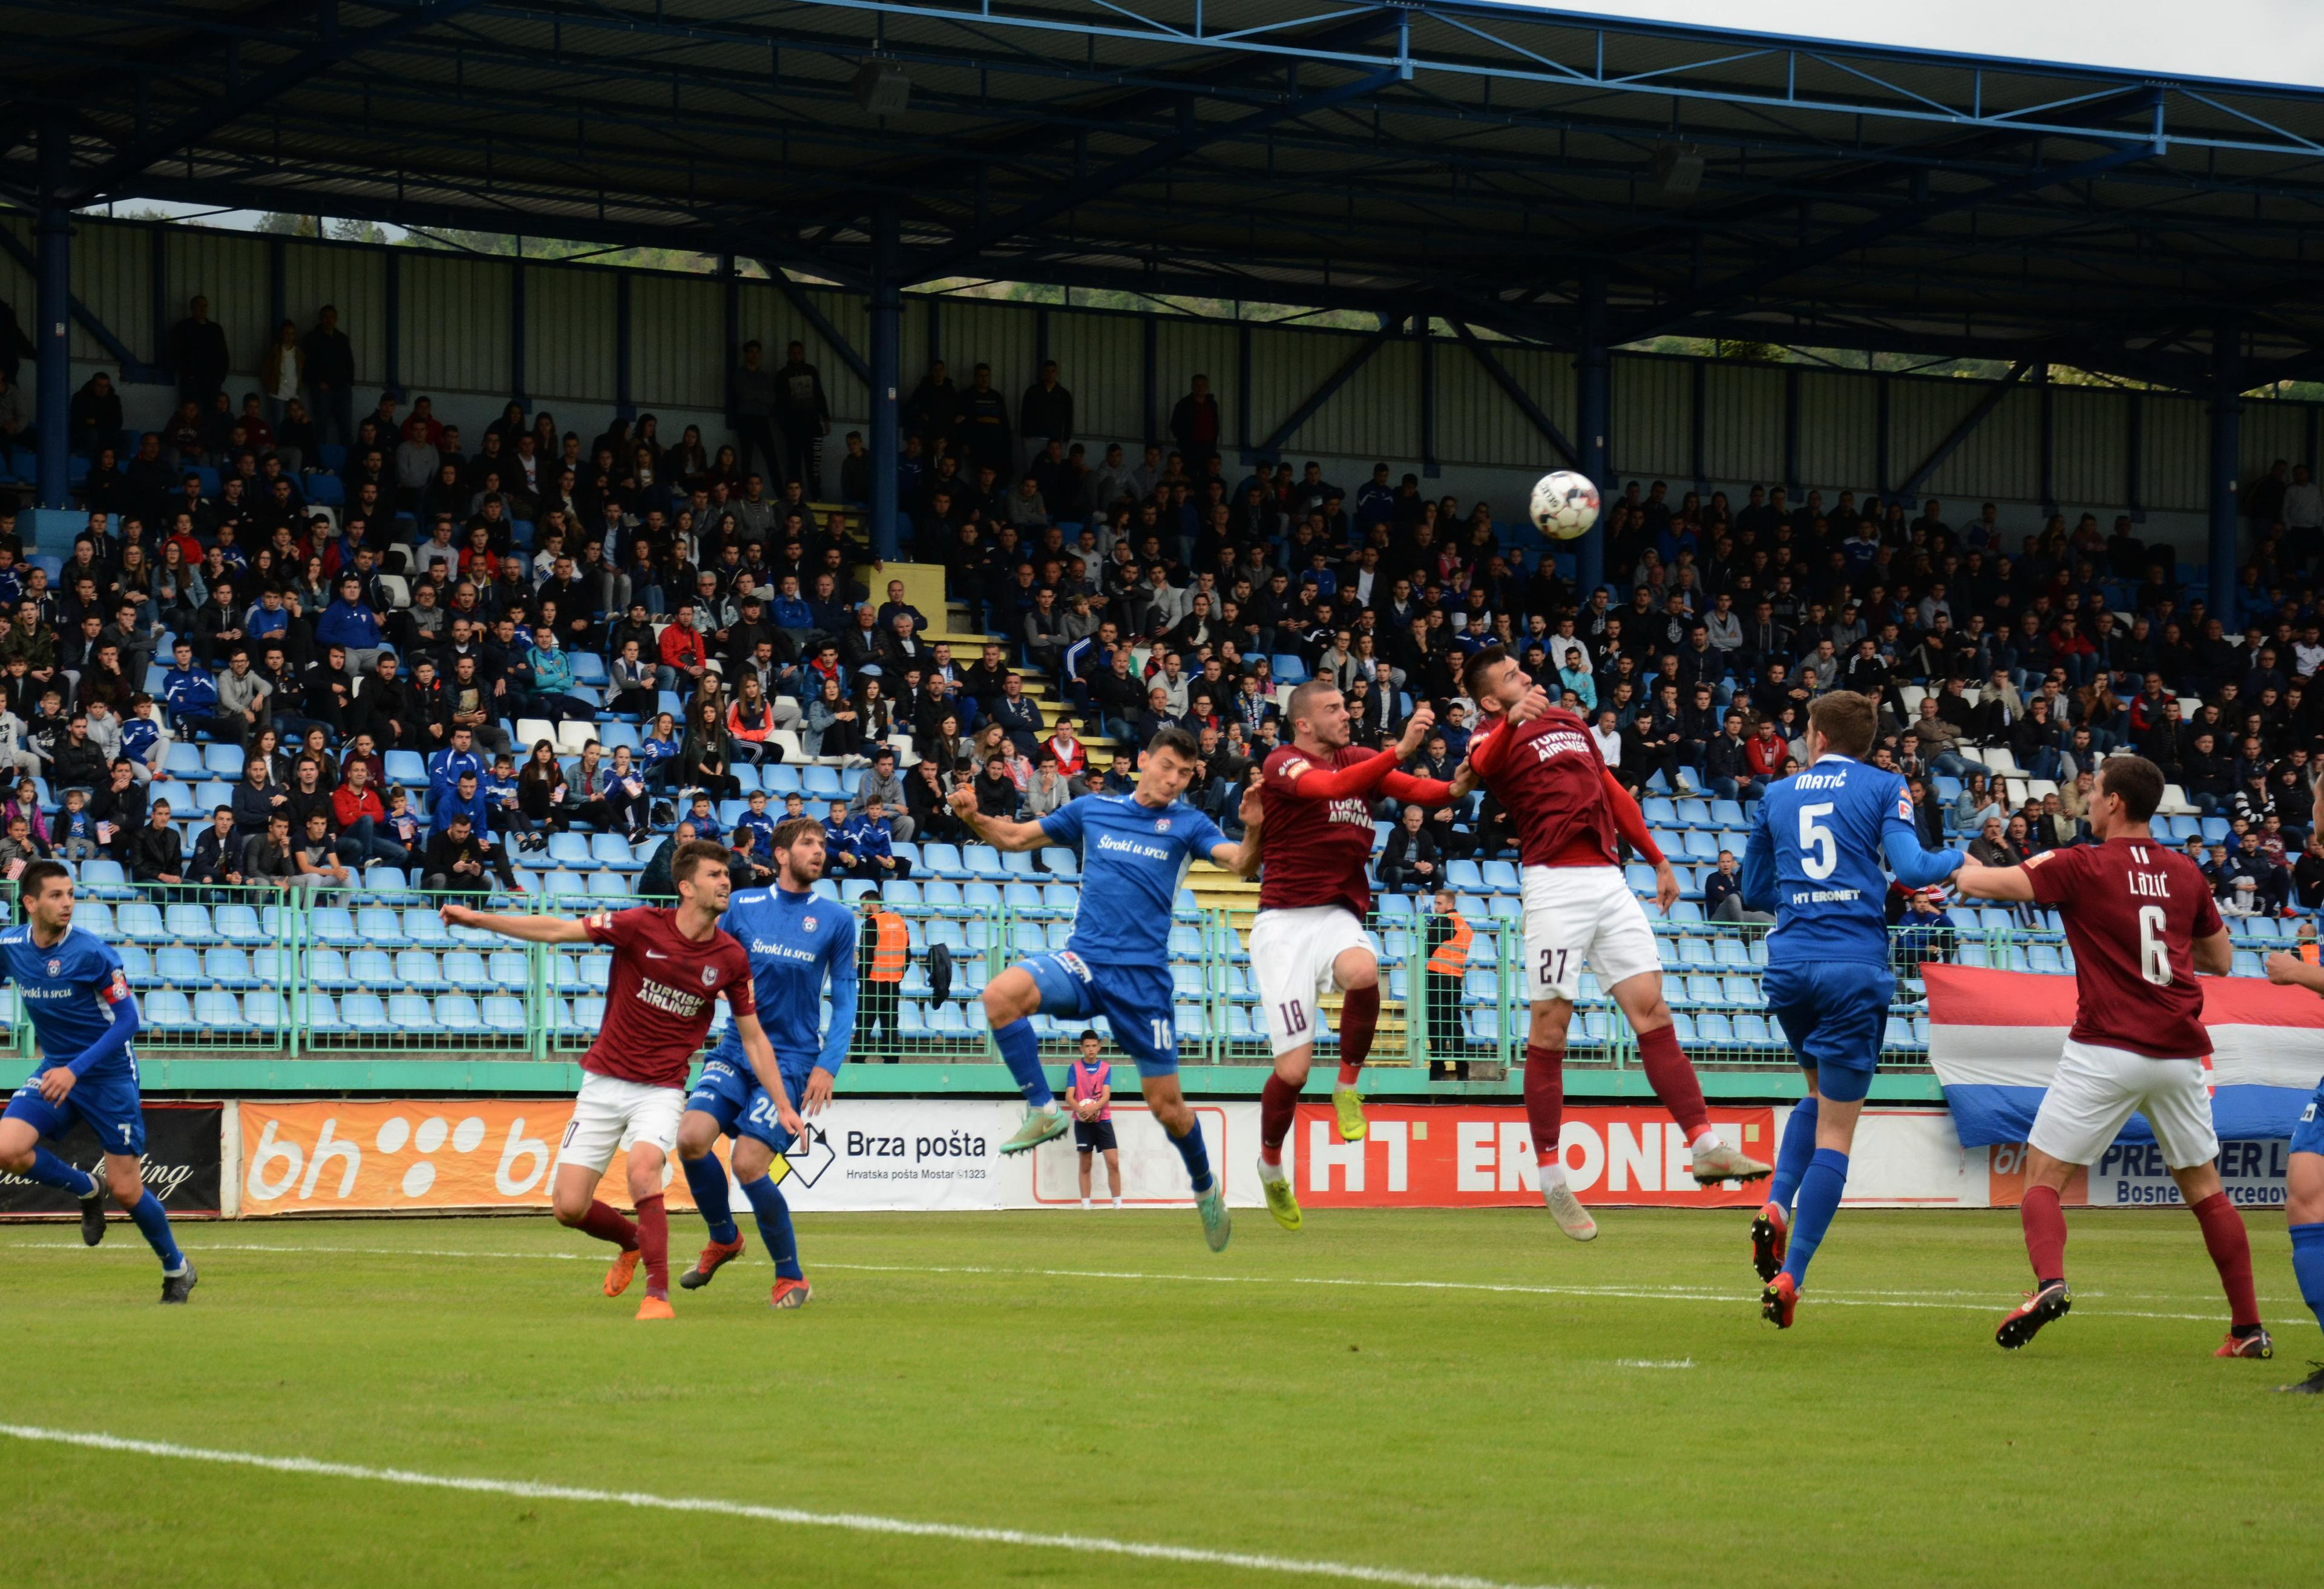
1138,167
1678,310
241,97
832,335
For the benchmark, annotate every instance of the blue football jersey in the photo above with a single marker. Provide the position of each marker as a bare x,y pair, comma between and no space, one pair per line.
795,941
69,991
1814,855
1133,859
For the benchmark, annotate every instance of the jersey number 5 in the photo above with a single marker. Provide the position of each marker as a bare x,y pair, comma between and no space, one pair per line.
2153,952
1818,855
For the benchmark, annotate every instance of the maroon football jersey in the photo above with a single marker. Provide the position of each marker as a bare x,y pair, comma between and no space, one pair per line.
1314,851
2133,910
1548,776
658,1000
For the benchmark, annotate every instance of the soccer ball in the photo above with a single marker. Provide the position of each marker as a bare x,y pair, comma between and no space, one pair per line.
1564,504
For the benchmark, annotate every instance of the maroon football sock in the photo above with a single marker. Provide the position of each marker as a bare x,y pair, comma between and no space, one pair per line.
653,1243
2230,1246
2045,1233
606,1226
1672,1077
1278,1103
1544,1100
1358,1020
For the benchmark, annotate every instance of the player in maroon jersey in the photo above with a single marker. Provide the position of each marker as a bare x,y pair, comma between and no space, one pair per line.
670,968
2140,923
1314,891
1568,810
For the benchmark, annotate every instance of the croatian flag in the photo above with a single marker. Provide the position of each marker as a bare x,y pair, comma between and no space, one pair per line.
1995,1038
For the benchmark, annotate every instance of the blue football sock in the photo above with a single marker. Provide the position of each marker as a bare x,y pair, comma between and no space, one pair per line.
1819,1200
1792,1157
154,1227
775,1226
53,1171
1021,1050
706,1177
2308,1265
1198,1158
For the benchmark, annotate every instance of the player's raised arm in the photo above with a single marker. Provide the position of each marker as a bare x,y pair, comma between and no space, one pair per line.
841,1035
1900,846
999,832
1242,859
1759,863
1631,824
2292,971
2008,883
530,929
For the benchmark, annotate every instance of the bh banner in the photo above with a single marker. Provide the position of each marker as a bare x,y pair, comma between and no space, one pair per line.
420,1156
1451,1156
1995,1038
182,1165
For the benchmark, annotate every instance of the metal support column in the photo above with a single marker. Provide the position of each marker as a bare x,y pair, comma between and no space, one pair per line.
52,403
887,347
2227,451
1594,394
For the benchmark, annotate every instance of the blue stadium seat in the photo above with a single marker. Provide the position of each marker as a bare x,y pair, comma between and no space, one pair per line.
380,927
458,1012
190,924
184,761
335,925
410,1012
504,1013
507,968
141,923
224,761
610,851
327,969
372,968
218,1013
983,861
571,851
166,1010
609,888
1061,863
417,969
943,861
322,1015
230,969
263,1010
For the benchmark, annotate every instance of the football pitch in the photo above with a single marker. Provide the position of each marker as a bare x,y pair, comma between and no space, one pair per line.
1454,1398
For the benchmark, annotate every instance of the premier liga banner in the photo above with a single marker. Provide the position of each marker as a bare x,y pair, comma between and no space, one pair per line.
1995,1038
445,1155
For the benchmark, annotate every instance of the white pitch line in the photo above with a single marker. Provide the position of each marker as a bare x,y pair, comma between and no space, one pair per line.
852,1523
1651,1362
1619,1293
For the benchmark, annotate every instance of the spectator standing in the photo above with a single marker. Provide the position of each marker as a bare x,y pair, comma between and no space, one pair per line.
1195,426
280,372
329,373
984,423
757,399
882,949
805,413
198,355
1045,414
1446,939
1089,1092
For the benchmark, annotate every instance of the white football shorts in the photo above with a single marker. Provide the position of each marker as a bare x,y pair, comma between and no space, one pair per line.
1292,952
1578,918
2096,1089
610,1115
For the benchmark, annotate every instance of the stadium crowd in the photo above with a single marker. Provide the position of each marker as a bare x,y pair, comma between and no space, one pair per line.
320,589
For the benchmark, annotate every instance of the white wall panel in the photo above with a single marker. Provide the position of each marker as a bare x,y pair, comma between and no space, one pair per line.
455,322
2174,474
678,331
1742,423
1651,430
113,277
1839,432
1183,349
571,334
2001,458
1477,423
2091,442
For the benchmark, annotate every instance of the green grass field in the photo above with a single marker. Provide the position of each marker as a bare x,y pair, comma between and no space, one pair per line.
1463,1394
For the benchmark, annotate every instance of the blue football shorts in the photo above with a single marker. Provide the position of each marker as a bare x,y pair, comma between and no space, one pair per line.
1135,1002
1834,1013
106,1104
731,1096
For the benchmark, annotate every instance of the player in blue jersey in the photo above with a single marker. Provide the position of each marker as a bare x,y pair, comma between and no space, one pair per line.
797,942
71,987
2304,1176
1817,841
1135,851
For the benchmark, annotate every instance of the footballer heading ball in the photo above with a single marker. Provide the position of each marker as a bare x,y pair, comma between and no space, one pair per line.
1564,504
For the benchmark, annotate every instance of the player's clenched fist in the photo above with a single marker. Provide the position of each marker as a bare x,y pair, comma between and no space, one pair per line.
460,915
1415,731
963,803
2283,968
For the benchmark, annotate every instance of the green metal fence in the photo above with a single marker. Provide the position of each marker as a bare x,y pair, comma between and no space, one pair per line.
361,971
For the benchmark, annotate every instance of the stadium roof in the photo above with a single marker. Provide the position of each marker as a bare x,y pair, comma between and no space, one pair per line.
1498,164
